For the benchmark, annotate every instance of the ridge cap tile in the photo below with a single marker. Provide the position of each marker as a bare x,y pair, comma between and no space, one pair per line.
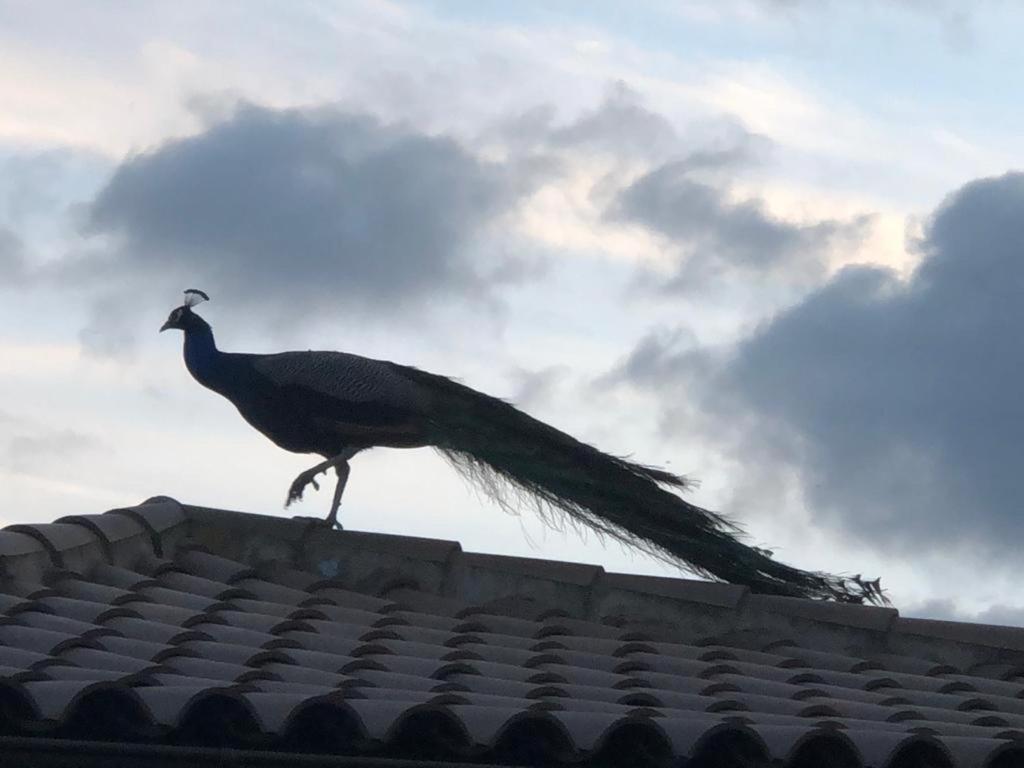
719,594
534,568
14,544
868,617
69,546
414,547
158,515
122,538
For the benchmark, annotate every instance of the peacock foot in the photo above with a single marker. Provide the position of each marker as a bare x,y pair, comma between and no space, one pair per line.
299,485
319,522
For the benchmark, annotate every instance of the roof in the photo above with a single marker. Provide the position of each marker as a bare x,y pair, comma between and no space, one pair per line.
167,626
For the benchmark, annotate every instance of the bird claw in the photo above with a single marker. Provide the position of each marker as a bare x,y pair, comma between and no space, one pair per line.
299,486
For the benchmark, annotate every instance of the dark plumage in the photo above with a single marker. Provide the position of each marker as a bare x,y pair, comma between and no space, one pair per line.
336,404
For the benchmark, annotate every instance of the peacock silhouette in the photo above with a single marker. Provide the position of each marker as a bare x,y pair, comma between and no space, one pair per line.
336,404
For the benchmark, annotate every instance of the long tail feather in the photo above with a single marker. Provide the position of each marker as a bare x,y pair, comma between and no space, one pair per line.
501,448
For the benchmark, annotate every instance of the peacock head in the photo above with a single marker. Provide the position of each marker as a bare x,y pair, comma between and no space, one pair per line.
183,317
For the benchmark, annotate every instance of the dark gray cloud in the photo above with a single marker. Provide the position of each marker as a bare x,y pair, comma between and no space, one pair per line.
660,356
898,401
716,236
300,212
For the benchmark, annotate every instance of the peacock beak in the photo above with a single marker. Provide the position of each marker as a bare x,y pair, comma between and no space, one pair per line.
165,326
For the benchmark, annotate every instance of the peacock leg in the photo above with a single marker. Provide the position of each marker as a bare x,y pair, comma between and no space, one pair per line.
342,471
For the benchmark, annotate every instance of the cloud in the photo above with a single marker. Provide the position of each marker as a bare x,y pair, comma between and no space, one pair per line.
957,22
620,128
7,419
621,124
38,194
679,185
999,614
898,402
690,206
13,269
535,388
300,212
34,447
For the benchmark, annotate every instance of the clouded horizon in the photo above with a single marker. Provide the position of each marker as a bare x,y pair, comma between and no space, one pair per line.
773,245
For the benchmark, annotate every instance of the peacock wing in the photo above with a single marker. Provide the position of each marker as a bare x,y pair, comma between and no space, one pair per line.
345,377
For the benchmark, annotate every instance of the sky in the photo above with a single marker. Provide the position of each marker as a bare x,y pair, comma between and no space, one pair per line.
772,244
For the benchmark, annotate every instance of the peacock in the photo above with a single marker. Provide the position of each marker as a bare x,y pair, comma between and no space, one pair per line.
336,404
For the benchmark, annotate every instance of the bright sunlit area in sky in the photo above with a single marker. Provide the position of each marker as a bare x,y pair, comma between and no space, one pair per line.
772,245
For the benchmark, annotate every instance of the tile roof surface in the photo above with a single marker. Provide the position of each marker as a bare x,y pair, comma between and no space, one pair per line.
173,624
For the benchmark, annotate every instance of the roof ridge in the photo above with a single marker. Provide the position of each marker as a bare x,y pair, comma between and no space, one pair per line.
460,584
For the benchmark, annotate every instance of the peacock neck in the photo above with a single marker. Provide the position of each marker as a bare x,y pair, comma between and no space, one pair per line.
201,353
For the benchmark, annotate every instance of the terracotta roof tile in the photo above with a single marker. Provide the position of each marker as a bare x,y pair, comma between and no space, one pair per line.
883,696
504,625
69,672
197,562
935,684
13,657
152,565
120,578
822,660
63,624
123,539
151,631
140,649
911,665
32,589
197,585
43,640
225,629
92,591
214,670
